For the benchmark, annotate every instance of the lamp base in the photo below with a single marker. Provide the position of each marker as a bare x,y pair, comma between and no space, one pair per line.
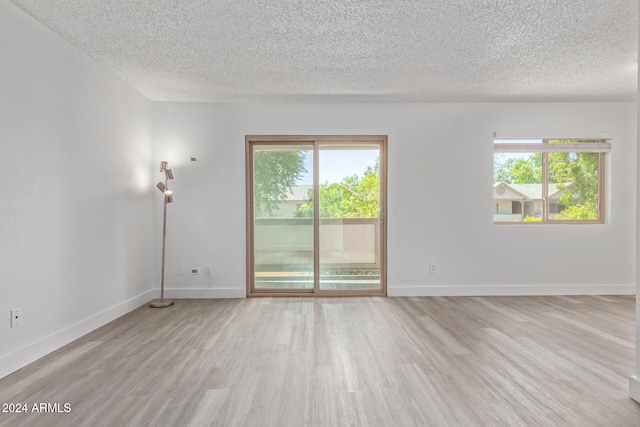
160,303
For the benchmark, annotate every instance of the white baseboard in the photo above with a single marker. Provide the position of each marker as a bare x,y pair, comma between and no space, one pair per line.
203,293
21,358
634,388
507,290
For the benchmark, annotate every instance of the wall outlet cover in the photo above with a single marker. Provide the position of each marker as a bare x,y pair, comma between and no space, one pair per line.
16,318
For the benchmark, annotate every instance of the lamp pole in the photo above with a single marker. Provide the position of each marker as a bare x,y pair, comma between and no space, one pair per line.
168,198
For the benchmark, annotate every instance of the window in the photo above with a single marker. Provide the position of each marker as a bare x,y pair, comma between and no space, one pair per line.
516,207
549,180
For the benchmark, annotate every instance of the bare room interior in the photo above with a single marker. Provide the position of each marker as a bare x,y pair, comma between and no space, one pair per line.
320,213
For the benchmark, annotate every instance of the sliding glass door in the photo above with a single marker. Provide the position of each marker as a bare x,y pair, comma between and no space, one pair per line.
350,216
315,215
283,249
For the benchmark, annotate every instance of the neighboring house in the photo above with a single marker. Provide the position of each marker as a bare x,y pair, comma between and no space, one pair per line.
515,202
295,198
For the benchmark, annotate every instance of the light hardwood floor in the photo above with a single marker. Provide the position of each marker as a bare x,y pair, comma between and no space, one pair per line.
442,361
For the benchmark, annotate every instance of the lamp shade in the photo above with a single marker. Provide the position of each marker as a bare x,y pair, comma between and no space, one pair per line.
168,173
168,196
161,187
163,166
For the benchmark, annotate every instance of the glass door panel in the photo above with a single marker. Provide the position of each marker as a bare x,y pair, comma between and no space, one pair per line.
283,228
350,217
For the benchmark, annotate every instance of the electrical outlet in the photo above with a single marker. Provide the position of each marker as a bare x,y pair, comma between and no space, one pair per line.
209,270
194,270
16,318
181,269
433,269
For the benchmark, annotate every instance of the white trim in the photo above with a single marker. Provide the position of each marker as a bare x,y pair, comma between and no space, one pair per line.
507,290
634,388
555,134
585,147
34,351
204,293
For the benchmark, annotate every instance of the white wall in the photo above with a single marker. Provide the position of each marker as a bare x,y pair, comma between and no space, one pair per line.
440,155
76,241
634,380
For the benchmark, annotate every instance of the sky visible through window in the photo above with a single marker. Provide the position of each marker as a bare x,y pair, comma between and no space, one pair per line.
338,164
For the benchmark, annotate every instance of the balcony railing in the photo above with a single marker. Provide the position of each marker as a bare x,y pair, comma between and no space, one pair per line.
286,244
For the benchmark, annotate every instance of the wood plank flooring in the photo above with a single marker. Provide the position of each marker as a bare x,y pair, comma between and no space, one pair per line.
441,361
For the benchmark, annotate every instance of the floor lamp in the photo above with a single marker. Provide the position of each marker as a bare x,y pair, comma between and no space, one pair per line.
168,198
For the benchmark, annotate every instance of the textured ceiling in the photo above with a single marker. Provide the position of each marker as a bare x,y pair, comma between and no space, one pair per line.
357,50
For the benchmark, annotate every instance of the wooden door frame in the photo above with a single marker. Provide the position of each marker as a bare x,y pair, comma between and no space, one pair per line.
315,140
